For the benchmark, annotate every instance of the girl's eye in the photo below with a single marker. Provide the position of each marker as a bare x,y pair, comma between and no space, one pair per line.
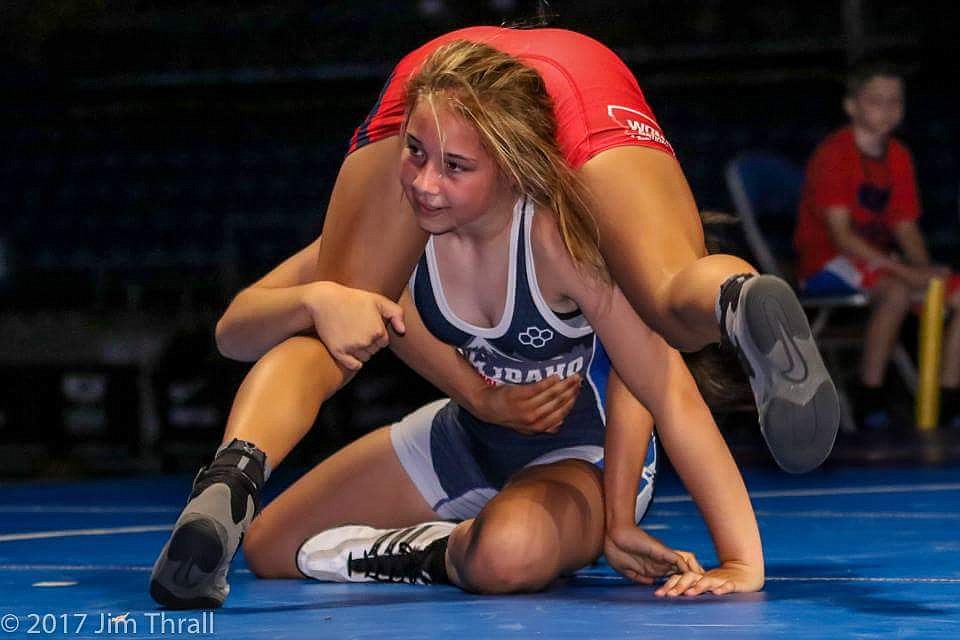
414,151
453,166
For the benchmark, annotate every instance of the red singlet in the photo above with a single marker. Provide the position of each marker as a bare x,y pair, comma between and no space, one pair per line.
597,101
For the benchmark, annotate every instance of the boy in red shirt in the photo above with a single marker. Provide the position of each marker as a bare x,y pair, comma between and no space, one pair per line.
857,231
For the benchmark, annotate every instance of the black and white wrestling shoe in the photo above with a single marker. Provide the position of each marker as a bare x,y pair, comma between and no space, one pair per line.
191,570
357,553
761,318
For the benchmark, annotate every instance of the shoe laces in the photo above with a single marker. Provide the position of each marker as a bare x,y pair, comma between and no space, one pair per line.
402,563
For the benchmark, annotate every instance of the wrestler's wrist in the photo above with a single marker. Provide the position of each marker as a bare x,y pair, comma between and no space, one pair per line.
476,397
619,520
317,294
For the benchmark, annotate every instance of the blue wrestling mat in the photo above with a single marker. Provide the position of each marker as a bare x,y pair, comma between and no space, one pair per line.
861,553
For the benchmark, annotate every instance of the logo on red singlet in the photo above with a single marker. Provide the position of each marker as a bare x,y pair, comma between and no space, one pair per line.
638,126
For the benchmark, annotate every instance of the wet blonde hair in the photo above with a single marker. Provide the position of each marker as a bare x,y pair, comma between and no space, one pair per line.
508,104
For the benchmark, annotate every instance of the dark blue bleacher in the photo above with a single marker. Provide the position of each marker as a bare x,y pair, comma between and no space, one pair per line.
106,215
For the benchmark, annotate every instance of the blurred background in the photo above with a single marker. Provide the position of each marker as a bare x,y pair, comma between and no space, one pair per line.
158,155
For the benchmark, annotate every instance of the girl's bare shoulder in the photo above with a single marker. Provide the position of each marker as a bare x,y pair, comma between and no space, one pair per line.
555,266
547,241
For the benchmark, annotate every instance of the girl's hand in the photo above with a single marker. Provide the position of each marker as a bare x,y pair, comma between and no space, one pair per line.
637,555
351,322
730,577
530,409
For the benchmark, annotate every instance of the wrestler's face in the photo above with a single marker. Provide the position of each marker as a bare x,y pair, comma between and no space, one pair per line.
448,177
878,106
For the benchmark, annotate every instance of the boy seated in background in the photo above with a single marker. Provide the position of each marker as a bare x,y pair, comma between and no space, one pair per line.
857,231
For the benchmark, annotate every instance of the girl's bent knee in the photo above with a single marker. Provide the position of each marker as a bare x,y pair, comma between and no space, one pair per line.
509,559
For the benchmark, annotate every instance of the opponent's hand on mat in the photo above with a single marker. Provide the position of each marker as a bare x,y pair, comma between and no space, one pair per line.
352,323
530,409
730,577
637,555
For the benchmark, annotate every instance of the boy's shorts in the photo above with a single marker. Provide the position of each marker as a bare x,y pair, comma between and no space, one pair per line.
846,276
457,472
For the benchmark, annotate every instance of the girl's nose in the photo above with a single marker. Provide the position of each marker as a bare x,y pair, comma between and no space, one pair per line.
427,181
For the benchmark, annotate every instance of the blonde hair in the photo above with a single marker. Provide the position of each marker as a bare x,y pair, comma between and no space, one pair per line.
508,104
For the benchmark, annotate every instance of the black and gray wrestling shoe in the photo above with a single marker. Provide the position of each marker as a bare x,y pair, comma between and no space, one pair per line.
191,571
357,553
761,318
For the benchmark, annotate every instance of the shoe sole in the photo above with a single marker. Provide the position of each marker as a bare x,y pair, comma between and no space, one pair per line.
195,547
800,417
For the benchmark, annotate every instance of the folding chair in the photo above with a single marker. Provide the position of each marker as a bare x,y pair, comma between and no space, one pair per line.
765,188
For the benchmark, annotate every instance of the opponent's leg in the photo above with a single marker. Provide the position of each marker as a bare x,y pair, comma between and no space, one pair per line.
371,239
797,402
652,240
363,482
270,414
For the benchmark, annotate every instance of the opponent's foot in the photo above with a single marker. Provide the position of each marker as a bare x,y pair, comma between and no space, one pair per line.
799,408
357,553
191,571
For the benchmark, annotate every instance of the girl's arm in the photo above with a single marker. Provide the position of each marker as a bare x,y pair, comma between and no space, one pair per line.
629,549
289,300
532,408
350,322
658,377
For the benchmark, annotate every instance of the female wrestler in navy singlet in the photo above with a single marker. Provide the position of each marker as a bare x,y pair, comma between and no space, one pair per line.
512,254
